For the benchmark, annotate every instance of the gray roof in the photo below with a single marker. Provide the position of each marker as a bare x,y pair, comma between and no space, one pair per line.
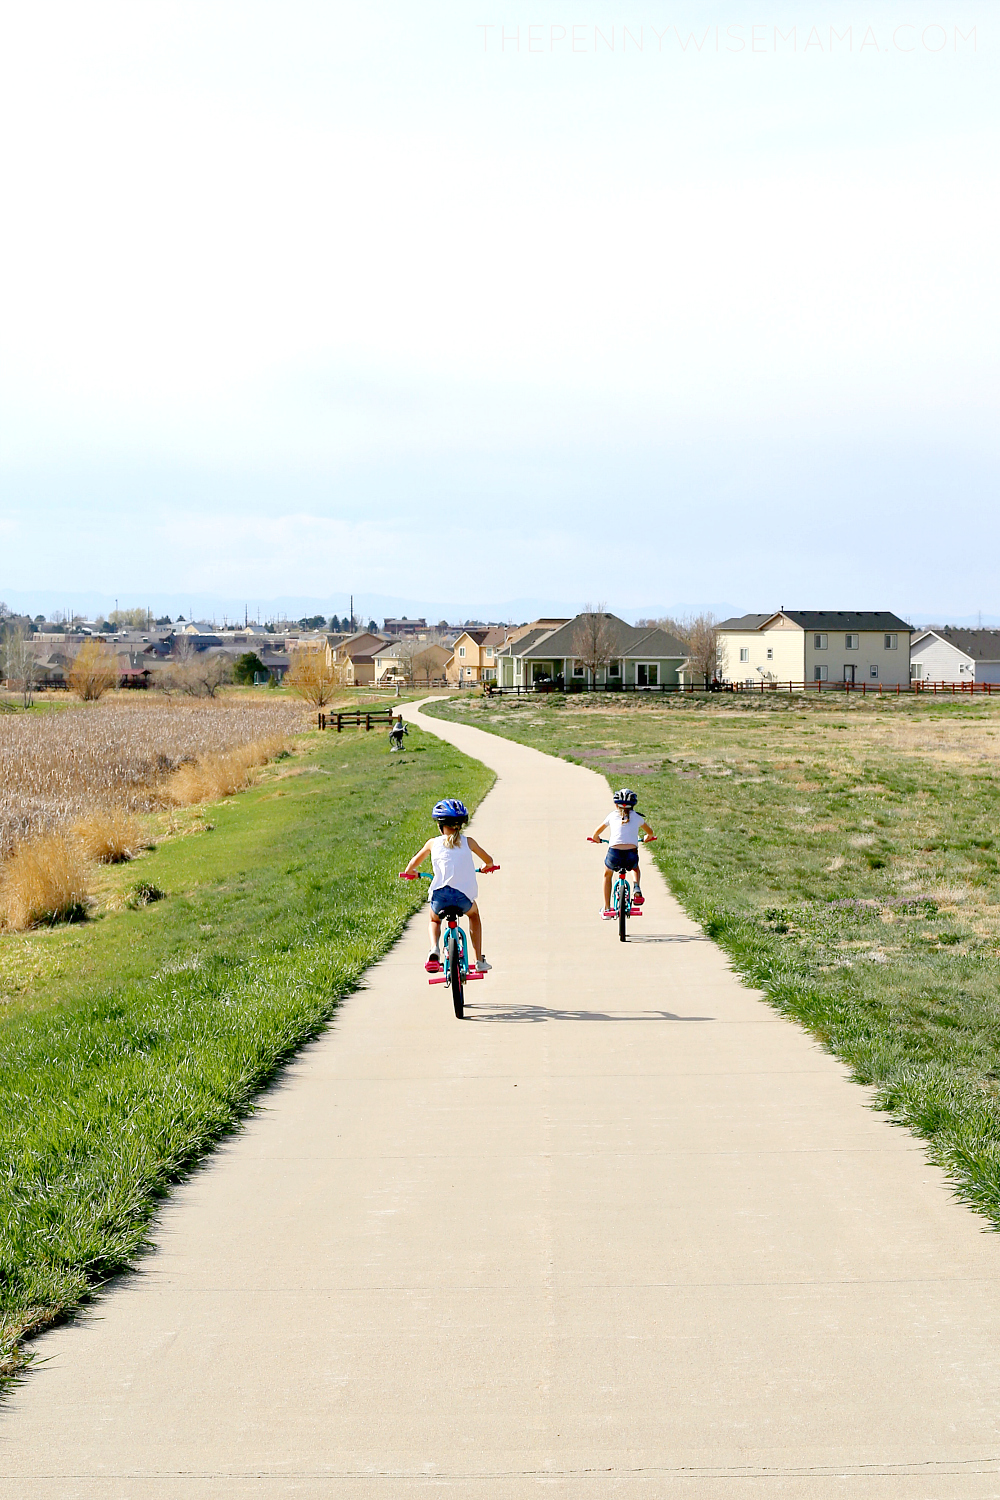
825,619
530,638
745,622
846,619
981,645
627,641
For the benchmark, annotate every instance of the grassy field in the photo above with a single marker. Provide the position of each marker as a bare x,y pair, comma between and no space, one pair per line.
131,1042
847,856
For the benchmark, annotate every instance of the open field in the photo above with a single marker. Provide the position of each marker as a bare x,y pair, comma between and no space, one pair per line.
55,767
847,857
130,1043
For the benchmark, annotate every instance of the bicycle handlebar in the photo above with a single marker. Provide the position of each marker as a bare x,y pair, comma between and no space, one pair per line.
650,840
426,874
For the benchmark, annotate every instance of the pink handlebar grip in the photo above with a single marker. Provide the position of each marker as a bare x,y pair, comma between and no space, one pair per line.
406,875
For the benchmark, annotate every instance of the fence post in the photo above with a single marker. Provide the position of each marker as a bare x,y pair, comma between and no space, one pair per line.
338,723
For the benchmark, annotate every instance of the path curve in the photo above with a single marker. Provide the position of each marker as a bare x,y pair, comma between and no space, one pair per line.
622,1233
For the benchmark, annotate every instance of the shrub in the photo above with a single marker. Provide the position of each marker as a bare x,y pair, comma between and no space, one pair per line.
44,881
94,671
312,677
247,668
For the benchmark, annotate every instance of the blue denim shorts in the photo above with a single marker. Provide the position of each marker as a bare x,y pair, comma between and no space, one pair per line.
447,898
622,859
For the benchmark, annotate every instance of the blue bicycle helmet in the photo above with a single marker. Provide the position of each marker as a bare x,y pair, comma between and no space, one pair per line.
450,811
625,798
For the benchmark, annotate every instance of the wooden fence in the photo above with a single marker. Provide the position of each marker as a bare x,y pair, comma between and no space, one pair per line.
865,688
354,718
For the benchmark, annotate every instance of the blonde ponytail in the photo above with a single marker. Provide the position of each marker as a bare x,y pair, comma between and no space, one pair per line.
452,835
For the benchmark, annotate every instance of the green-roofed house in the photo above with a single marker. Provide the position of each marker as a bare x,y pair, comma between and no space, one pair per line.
553,657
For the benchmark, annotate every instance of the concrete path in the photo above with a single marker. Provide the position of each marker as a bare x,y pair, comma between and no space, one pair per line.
623,1232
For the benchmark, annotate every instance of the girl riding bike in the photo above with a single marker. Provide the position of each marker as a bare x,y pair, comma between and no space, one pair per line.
624,826
454,884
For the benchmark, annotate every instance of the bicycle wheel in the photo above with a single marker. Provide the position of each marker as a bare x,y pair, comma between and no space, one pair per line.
455,974
622,904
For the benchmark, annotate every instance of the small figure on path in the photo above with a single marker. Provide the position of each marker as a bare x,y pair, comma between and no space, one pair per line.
454,884
624,825
396,733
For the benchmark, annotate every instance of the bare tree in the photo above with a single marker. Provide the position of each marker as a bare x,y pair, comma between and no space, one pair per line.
94,671
20,665
312,677
593,639
699,633
199,674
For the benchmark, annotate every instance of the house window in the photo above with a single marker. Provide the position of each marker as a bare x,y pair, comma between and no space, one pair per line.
820,674
820,644
461,650
647,674
489,651
578,669
770,653
916,670
873,670
744,653
614,669
891,642
850,642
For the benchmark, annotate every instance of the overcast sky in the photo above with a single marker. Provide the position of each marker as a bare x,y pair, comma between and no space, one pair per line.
417,301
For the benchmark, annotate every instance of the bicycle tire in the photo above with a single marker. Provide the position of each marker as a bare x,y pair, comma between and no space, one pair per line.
622,907
455,974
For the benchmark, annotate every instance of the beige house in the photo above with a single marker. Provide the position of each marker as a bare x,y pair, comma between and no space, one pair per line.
816,646
423,666
474,657
354,658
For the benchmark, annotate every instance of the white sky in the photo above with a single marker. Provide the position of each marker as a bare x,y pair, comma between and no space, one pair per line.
297,297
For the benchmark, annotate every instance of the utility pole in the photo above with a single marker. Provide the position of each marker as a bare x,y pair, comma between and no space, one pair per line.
352,611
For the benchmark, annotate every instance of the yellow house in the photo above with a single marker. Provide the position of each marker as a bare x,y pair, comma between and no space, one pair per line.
474,658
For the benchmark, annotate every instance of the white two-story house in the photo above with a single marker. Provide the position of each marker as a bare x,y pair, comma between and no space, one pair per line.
816,646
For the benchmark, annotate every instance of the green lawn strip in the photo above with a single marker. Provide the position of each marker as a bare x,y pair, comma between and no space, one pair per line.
857,886
161,1026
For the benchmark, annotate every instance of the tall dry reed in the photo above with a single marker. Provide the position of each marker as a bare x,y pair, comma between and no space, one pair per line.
58,768
215,776
45,880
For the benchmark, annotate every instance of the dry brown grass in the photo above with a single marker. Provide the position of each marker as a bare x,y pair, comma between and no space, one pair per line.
109,837
215,776
45,880
57,768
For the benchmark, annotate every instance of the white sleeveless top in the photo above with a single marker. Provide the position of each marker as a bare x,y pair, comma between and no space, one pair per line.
454,867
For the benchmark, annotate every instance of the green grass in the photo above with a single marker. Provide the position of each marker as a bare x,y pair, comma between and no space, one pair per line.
847,858
145,1036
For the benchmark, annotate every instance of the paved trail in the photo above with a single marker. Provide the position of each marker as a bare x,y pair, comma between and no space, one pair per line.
622,1233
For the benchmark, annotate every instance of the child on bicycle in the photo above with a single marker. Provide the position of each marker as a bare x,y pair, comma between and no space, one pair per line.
396,732
454,883
624,826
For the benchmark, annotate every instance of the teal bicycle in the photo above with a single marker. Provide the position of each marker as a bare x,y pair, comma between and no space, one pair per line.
456,948
621,895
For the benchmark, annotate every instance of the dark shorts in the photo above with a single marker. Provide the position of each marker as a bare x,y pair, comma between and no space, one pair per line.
447,898
622,859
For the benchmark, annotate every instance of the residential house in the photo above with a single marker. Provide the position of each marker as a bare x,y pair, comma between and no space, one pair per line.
552,656
424,667
948,654
355,657
474,655
404,627
825,645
